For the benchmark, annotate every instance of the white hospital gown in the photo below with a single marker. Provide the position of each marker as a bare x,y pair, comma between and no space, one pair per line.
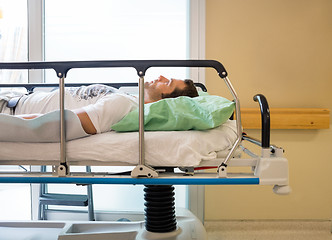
104,105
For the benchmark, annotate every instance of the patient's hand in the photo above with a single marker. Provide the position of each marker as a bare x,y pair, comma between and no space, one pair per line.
29,116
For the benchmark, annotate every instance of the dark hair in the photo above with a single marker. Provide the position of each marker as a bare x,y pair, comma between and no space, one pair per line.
189,90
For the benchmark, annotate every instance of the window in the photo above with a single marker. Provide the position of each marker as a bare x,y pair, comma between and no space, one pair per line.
15,201
116,30
13,38
104,30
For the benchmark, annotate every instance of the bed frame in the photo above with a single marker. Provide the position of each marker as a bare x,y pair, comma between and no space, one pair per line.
270,168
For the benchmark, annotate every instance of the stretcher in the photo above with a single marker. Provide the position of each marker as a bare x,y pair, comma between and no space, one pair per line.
270,167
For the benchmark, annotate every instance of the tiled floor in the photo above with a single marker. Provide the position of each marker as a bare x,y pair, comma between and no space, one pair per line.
269,230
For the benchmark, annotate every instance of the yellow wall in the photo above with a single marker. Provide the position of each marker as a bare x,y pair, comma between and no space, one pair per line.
282,49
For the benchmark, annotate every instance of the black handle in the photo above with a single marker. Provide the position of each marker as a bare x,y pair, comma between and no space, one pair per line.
265,113
141,66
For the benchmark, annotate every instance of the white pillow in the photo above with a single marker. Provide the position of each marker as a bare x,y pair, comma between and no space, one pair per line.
45,128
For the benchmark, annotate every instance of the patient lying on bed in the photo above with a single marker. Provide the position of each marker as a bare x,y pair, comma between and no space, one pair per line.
98,106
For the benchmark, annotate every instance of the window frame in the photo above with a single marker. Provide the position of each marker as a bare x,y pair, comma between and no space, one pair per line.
195,193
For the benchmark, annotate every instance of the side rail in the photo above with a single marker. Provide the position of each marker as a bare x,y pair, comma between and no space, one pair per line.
31,86
141,66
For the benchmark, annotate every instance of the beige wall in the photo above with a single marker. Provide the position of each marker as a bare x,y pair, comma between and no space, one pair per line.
282,49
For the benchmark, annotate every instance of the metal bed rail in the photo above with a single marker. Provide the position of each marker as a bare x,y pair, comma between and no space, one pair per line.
31,86
141,66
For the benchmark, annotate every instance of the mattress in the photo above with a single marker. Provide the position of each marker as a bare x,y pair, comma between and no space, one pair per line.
162,148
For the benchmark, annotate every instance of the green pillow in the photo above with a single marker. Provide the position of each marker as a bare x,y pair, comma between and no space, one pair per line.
181,113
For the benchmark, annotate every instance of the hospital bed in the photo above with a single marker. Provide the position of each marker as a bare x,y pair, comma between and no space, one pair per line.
193,153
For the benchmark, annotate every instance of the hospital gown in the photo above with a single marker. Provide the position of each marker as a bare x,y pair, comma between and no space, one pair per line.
104,105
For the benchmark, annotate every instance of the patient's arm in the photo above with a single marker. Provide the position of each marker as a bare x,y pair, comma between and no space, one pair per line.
85,121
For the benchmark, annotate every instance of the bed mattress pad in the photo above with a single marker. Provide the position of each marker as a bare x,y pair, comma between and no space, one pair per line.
162,148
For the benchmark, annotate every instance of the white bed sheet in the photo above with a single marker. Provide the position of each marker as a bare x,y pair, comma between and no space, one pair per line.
171,148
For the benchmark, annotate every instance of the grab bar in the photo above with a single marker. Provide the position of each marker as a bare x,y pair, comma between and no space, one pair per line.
265,114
